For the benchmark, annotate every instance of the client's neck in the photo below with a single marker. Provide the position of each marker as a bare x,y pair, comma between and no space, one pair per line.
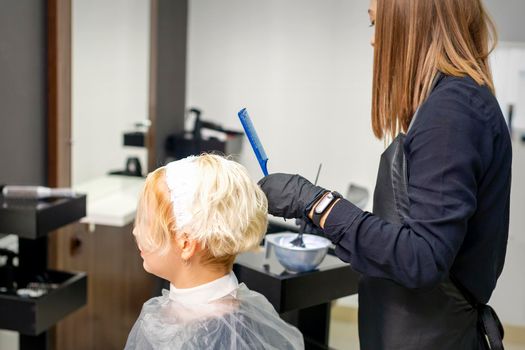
195,275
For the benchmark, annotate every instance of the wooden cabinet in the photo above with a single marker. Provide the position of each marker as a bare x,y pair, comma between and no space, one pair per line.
117,286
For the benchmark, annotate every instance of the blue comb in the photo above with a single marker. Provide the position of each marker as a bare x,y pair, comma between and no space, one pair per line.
258,149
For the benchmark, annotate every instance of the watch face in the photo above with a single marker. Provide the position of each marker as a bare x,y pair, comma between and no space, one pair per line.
319,208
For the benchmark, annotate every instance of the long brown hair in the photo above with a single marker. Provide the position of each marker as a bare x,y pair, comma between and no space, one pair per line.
416,39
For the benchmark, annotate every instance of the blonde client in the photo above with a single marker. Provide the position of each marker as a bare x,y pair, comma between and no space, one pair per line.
194,216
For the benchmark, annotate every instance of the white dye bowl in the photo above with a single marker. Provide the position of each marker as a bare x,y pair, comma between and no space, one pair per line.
297,259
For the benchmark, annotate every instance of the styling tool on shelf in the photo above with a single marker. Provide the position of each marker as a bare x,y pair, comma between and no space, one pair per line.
258,149
35,192
298,241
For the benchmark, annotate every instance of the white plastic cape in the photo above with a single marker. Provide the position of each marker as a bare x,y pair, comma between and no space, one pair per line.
241,320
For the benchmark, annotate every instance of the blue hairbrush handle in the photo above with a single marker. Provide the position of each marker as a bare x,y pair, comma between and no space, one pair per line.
258,149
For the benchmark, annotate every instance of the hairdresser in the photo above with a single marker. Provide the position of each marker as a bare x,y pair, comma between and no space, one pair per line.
433,248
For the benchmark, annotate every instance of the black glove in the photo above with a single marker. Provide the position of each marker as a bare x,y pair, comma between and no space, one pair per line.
309,227
289,195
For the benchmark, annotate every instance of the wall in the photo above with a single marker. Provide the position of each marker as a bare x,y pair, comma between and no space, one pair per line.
23,143
508,16
168,75
509,297
110,80
509,75
302,68
23,103
508,65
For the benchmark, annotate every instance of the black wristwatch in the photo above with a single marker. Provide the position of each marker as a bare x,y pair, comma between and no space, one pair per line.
324,204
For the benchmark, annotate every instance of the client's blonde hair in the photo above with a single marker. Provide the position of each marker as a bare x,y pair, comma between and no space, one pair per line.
229,211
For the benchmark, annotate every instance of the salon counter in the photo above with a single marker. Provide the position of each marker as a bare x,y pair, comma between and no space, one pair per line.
111,199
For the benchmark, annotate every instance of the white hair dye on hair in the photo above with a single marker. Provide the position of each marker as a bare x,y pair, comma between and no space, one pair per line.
181,178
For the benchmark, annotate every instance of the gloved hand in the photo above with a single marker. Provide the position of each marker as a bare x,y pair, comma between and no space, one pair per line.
289,195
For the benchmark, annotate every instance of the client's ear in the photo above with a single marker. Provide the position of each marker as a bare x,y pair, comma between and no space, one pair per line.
188,247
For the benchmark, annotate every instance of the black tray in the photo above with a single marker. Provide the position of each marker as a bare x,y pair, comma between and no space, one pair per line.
28,218
32,316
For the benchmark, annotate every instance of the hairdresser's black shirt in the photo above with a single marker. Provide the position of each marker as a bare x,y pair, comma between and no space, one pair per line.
459,169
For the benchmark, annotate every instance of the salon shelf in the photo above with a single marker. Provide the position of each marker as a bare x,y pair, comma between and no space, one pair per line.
32,316
32,219
286,291
135,139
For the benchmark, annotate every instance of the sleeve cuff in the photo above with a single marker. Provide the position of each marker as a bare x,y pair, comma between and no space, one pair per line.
340,220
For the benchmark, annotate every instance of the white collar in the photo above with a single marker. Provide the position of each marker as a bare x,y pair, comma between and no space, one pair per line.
205,293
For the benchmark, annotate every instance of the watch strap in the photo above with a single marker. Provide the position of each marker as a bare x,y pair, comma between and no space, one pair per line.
318,214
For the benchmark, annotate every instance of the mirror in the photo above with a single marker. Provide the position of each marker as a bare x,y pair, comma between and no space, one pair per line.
110,84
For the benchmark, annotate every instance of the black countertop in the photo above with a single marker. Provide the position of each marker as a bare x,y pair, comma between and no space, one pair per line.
286,291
